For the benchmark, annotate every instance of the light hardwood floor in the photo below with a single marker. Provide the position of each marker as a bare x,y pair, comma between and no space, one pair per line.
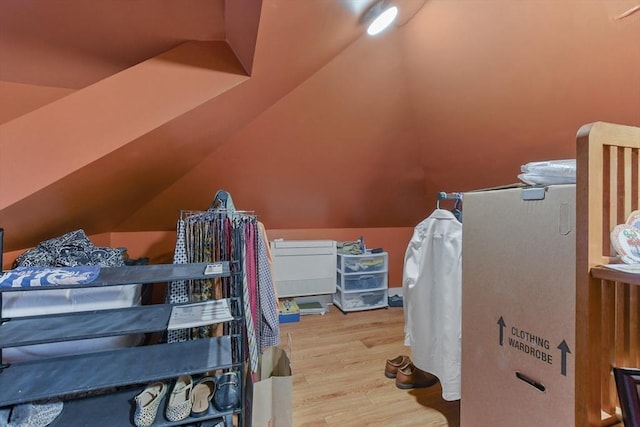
338,373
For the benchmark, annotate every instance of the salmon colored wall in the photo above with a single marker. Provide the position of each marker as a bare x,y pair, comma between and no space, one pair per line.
114,112
73,44
159,245
18,98
9,257
242,18
496,84
338,151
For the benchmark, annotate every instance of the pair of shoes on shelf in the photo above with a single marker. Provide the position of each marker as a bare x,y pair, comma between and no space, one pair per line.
186,398
178,406
147,404
392,366
192,399
223,391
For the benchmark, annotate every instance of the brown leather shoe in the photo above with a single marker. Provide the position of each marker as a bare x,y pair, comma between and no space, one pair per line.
392,366
411,377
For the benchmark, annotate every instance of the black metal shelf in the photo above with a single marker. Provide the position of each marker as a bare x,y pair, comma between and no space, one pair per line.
141,274
22,331
34,380
98,387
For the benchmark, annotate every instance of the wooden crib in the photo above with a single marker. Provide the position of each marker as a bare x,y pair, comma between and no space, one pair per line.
607,302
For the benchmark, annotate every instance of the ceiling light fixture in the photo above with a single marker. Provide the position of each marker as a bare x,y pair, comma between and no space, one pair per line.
379,16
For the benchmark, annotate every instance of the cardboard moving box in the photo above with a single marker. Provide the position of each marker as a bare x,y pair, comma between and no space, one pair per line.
518,307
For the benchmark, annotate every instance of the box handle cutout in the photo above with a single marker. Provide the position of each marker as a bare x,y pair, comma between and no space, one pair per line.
565,218
530,381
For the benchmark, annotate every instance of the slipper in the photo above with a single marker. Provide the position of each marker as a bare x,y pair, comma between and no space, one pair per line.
180,400
202,395
147,404
36,414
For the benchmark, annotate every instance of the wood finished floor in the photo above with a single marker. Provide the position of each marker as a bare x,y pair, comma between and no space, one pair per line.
338,373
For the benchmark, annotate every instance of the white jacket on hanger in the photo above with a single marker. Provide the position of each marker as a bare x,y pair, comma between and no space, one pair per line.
432,289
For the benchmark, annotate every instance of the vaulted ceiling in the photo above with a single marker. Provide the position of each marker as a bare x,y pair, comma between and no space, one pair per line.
116,115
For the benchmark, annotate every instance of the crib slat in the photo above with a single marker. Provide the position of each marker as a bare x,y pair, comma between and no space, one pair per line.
609,319
607,313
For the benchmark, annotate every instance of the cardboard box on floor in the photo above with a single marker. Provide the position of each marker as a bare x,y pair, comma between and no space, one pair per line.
518,307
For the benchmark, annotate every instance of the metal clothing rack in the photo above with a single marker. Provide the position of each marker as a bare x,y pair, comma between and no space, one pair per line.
457,208
186,213
207,240
448,196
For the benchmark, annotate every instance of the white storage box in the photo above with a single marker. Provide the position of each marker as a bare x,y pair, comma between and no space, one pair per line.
304,267
53,301
357,301
365,263
362,282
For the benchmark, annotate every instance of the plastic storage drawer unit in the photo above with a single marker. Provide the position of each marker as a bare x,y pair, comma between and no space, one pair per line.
356,301
362,282
366,263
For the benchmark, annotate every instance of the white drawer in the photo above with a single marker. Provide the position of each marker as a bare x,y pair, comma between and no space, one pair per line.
357,301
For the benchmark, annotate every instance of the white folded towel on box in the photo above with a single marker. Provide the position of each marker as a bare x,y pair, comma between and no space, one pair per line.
549,172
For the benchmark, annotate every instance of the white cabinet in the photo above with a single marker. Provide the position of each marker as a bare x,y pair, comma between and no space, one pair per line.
304,267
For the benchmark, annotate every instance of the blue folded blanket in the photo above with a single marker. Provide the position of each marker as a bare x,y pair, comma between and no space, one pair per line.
26,277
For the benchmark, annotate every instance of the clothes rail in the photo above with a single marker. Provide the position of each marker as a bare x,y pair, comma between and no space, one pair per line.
448,196
187,213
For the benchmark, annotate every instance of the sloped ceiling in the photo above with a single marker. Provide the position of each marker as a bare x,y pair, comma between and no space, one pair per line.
74,43
116,115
